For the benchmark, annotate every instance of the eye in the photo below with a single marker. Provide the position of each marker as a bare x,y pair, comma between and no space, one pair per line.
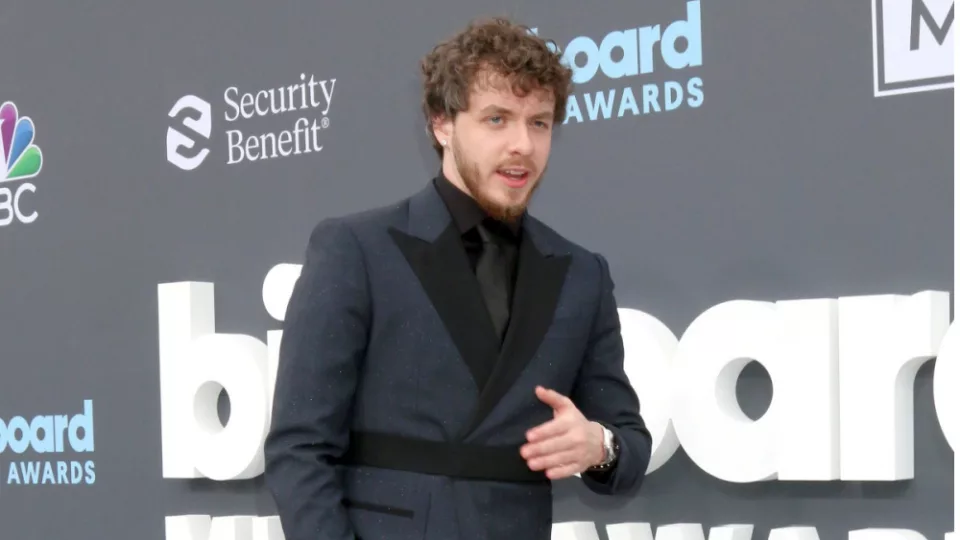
541,124
495,119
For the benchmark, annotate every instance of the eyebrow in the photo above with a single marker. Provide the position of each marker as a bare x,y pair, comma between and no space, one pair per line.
491,109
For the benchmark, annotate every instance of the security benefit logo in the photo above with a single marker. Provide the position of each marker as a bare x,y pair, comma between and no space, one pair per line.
262,124
21,160
636,71
913,46
48,449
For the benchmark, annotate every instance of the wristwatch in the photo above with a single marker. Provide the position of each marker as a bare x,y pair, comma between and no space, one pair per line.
610,450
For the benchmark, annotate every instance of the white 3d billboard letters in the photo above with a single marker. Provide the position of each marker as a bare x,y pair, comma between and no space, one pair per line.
842,370
197,527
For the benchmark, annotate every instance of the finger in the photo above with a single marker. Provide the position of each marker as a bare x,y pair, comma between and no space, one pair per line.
564,471
547,447
554,399
553,461
546,430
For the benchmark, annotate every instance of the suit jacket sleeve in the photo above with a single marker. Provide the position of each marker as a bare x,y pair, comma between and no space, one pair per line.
604,394
324,339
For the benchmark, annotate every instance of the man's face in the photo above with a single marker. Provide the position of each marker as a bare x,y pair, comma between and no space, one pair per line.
497,149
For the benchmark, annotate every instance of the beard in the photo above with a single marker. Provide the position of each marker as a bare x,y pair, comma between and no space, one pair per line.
469,171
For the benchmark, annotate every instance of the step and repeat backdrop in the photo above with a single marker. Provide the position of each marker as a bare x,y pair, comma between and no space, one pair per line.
772,183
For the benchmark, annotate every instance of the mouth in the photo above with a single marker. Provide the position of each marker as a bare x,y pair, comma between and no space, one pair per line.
514,177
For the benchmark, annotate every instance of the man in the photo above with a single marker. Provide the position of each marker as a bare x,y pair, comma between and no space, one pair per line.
445,358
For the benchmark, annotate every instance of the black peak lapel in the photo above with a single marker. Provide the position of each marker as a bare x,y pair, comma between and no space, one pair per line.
434,251
444,273
540,277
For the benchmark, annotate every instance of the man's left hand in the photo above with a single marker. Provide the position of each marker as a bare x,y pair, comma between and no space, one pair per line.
568,444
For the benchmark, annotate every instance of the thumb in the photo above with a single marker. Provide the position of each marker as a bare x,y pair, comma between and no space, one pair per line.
554,399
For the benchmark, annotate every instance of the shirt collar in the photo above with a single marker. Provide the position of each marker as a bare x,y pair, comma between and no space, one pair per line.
464,210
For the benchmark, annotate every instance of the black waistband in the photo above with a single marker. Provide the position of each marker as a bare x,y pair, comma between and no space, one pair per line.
456,460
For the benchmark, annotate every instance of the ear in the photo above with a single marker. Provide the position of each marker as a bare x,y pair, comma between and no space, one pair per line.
442,126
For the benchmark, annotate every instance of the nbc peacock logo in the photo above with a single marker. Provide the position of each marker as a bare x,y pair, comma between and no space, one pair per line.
21,161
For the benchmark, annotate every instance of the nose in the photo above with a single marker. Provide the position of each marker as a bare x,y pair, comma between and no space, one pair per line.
522,141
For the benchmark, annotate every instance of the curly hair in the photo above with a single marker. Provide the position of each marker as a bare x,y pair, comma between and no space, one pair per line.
499,47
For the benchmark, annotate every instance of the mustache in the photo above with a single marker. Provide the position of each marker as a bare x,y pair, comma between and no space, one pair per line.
525,164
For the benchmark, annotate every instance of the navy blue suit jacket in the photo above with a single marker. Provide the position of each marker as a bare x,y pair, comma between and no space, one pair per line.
386,331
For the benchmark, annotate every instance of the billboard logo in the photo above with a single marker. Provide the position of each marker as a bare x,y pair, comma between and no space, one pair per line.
636,52
188,150
913,46
49,434
21,160
860,354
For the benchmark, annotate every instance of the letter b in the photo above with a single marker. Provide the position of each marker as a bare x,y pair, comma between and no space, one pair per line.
6,206
196,363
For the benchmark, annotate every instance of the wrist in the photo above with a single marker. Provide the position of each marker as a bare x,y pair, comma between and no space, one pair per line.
607,449
600,455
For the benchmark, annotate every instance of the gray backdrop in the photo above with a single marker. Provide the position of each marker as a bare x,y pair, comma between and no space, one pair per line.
791,179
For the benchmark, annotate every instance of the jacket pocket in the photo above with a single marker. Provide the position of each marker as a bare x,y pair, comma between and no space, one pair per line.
385,504
379,508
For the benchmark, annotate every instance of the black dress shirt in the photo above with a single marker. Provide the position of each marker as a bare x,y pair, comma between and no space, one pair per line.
467,215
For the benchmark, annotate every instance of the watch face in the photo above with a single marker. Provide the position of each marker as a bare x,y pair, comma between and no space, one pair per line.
609,446
610,442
